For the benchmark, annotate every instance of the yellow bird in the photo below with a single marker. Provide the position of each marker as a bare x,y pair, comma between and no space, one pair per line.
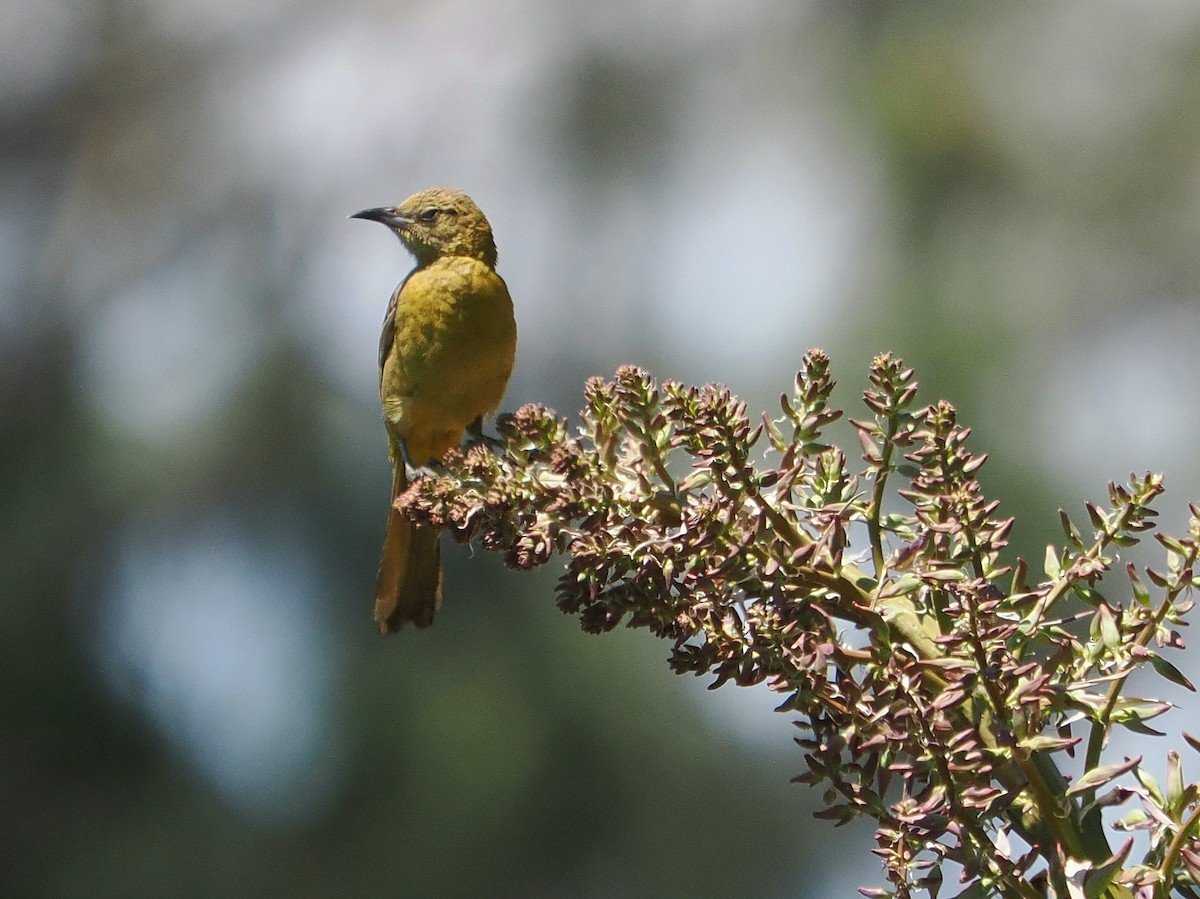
445,356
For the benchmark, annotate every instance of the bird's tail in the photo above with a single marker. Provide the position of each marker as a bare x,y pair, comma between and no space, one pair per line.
409,587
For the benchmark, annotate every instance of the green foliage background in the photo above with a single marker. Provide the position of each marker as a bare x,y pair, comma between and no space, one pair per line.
1004,195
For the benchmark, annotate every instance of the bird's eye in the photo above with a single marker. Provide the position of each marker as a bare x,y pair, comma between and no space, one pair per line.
427,215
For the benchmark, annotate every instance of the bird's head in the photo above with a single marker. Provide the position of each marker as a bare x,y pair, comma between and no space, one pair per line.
438,222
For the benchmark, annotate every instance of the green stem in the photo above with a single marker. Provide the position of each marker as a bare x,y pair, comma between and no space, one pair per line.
1171,859
1100,724
875,510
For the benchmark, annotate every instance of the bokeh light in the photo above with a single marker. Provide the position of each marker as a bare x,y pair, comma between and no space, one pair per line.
1007,196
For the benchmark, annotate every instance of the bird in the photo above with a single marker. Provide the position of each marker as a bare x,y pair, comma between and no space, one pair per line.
446,352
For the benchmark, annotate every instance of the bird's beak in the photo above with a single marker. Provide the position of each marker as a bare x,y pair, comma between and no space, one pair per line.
385,215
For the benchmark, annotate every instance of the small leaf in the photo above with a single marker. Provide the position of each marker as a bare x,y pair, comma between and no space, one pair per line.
1174,781
1146,779
1136,725
1110,634
1089,595
1169,671
1128,707
1172,545
944,575
1046,743
1098,777
1073,535
1132,820
1159,580
1098,881
1192,861
1140,593
1051,564
1116,796
1020,578
871,452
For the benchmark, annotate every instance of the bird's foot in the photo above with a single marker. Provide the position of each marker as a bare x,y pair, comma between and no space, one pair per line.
475,436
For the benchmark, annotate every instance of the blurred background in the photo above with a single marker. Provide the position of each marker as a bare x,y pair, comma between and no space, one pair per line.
195,701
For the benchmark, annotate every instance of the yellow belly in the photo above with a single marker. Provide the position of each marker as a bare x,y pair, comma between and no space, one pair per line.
452,354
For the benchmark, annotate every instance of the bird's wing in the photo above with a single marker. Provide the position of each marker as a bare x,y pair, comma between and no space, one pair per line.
388,335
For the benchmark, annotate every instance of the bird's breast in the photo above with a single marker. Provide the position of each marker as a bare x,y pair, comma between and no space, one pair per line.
453,350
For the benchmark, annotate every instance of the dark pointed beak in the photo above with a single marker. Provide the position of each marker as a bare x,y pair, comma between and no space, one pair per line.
385,215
